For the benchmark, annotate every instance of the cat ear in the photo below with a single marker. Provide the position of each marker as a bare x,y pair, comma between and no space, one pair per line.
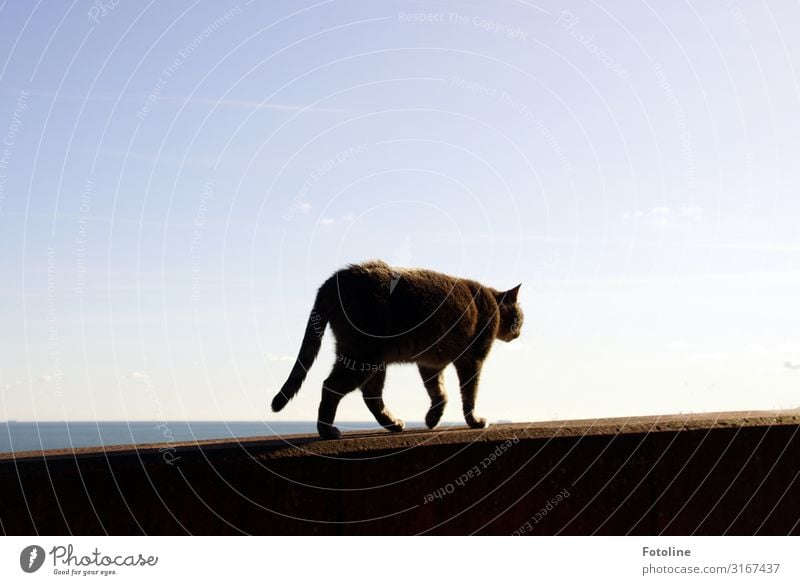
510,296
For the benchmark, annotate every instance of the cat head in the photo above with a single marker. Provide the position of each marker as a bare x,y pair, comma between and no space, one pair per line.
510,314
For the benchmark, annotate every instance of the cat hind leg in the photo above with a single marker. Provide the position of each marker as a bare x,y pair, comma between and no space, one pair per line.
434,384
372,391
341,381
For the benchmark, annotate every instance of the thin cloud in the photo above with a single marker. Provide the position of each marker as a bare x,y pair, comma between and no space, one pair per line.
664,216
697,244
711,357
401,256
163,158
248,104
678,346
329,221
139,98
755,349
691,213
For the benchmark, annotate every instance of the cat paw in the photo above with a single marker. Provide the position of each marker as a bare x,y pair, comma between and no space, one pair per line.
432,418
477,423
327,431
396,426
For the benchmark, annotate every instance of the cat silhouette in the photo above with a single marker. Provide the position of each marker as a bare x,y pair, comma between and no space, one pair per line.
380,315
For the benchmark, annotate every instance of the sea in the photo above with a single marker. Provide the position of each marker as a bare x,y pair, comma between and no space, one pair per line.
37,436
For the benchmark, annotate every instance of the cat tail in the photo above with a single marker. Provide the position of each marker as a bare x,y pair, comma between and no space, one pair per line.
315,328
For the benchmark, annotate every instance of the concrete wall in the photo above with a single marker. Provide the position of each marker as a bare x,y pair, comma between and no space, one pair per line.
710,474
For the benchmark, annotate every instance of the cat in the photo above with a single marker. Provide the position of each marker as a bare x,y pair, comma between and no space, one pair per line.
380,315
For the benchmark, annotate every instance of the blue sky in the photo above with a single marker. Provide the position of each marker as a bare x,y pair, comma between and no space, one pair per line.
176,179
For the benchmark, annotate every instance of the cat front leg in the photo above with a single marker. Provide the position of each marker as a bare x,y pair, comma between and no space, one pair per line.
469,373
